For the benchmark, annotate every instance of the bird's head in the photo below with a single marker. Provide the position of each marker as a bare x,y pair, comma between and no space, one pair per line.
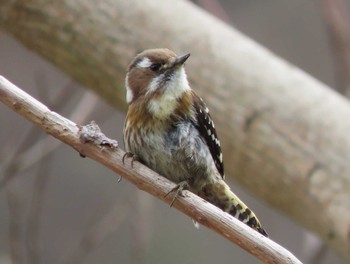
156,74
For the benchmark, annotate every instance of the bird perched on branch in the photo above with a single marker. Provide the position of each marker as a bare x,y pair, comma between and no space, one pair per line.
169,129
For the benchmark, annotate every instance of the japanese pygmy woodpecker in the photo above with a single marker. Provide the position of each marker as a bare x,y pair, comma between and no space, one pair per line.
169,129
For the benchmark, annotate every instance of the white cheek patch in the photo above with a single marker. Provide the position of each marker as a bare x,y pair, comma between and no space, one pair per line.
129,93
152,87
129,96
144,63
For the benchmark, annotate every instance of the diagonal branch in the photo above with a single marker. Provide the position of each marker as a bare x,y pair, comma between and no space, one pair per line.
206,214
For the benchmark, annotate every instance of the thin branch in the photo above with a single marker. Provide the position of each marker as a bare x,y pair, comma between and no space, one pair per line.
13,160
97,232
81,112
141,227
16,215
215,8
320,254
144,178
338,21
32,230
45,146
11,168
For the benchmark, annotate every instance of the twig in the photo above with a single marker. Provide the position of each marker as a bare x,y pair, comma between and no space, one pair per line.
11,168
215,8
319,255
34,215
21,158
46,146
97,232
15,214
338,22
141,227
32,230
144,178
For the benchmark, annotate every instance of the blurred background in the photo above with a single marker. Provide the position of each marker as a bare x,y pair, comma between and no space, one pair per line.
56,207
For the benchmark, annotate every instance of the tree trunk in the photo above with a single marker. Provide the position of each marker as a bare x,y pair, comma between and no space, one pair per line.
284,134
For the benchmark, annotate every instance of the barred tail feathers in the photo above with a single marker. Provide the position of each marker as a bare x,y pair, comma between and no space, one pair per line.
220,194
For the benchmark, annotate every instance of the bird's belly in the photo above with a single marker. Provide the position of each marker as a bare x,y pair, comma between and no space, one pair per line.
165,165
178,154
152,150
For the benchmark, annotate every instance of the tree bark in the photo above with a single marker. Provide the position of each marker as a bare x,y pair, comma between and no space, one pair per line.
284,134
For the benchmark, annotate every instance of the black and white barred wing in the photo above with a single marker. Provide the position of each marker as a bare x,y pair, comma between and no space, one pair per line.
206,128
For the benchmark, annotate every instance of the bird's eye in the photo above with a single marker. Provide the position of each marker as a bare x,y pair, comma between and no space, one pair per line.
155,66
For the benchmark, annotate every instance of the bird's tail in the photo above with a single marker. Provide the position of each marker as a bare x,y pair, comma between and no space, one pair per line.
220,194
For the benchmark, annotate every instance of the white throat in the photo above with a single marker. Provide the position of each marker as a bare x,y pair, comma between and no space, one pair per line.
165,104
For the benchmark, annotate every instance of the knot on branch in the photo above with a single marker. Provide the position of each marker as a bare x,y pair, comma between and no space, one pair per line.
92,133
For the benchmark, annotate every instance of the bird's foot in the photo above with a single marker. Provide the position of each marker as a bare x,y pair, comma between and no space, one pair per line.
130,155
178,190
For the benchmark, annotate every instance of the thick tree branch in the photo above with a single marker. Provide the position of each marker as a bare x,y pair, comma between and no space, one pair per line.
284,135
145,179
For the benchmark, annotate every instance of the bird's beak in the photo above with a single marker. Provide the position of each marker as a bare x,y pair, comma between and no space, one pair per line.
181,59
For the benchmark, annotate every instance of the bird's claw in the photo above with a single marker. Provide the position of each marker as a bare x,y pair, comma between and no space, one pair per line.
130,155
178,191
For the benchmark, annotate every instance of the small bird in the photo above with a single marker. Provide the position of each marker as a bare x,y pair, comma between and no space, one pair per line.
169,129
